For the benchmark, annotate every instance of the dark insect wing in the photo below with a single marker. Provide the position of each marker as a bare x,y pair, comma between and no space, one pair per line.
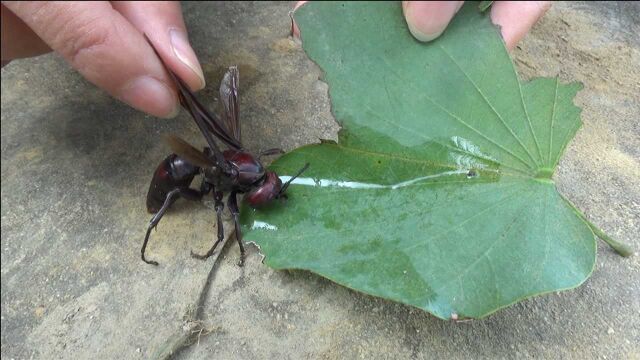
188,152
229,99
211,121
207,123
198,116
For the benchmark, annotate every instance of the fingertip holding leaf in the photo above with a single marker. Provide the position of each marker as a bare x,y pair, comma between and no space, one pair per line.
428,20
295,31
439,193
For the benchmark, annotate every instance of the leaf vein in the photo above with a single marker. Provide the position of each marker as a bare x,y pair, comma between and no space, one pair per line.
491,206
499,239
553,117
475,86
465,124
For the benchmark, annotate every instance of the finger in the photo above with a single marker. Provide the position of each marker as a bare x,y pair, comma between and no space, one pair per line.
517,18
105,48
295,31
18,41
162,22
428,19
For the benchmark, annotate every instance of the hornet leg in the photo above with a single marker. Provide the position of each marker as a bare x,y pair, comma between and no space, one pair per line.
235,211
219,208
270,152
172,196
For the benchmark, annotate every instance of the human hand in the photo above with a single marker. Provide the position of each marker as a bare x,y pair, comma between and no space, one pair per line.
427,20
103,41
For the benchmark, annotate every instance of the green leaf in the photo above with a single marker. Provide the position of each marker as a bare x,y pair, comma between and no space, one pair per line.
438,193
484,5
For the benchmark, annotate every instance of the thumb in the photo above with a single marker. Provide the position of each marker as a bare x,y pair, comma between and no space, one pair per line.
428,19
105,48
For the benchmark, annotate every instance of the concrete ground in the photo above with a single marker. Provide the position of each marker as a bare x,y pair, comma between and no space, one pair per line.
76,166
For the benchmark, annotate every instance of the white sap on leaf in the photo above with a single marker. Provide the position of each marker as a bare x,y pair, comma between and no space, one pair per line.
360,185
469,155
413,181
334,183
263,225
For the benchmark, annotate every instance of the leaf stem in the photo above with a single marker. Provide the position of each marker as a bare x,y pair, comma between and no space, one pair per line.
622,249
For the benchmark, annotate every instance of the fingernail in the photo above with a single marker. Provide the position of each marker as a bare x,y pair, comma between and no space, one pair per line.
184,52
459,6
150,95
428,20
422,36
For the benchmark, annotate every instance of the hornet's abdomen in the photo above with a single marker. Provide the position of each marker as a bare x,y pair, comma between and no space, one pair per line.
249,169
173,172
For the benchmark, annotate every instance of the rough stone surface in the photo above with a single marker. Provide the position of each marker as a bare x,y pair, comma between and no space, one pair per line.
76,165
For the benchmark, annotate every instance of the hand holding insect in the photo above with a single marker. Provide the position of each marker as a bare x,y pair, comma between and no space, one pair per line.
234,171
103,41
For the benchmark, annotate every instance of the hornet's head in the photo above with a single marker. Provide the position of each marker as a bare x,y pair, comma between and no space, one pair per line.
269,189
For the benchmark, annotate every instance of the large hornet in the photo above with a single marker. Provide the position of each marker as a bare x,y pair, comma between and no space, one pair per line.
234,170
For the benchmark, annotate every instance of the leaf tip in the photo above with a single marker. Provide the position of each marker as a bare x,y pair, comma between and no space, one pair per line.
484,5
577,85
328,141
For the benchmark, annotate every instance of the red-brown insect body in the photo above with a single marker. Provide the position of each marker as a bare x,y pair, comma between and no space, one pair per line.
266,192
171,173
249,169
261,186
